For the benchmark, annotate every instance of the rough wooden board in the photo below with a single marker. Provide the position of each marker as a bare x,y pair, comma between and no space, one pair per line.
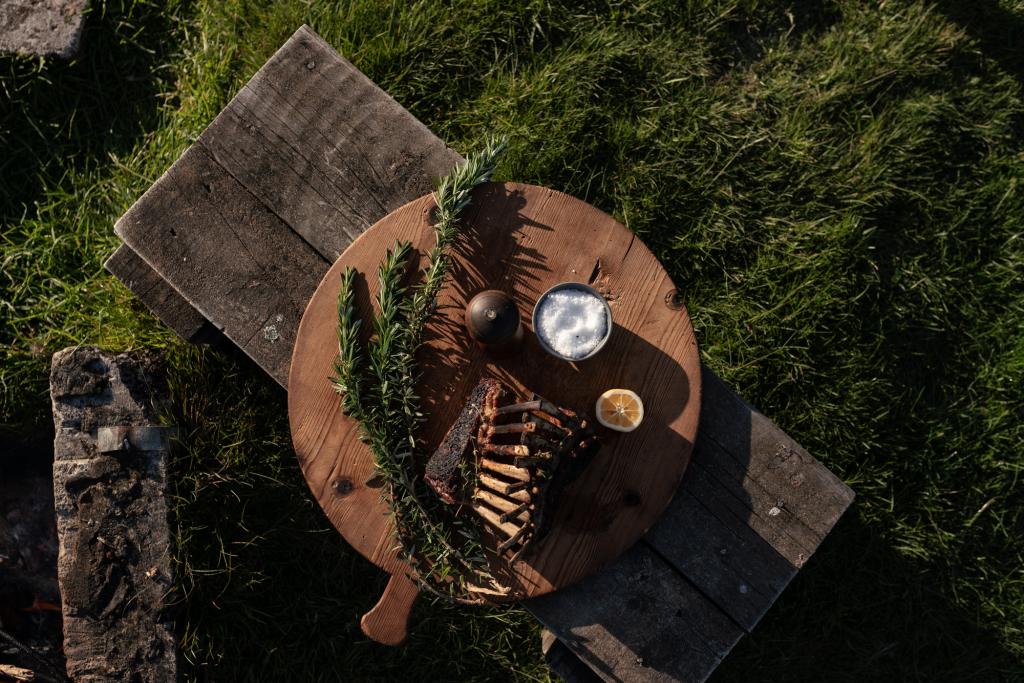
312,171
731,535
723,532
789,484
639,621
159,297
320,143
42,27
562,662
228,254
535,237
114,564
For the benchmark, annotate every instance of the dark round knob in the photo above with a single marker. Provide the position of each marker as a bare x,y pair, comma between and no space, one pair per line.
492,317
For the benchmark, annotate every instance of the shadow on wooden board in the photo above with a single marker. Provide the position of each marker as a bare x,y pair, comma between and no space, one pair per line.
673,605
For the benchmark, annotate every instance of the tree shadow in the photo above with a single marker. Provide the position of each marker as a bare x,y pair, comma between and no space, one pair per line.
72,115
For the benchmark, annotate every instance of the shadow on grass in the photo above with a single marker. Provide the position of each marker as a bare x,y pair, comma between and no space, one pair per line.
998,31
61,115
861,611
267,588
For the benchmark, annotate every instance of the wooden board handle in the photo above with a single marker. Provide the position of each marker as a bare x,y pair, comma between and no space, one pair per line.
388,621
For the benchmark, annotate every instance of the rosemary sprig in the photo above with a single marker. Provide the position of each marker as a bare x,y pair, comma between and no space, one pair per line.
378,389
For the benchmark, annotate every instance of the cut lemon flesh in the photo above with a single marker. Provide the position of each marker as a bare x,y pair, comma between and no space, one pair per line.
620,409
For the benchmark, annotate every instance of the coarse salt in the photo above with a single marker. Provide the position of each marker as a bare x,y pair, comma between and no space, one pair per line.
572,322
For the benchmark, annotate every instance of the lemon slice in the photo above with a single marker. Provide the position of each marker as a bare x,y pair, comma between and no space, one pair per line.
620,409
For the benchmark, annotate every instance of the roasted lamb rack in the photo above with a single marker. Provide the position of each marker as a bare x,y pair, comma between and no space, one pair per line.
509,460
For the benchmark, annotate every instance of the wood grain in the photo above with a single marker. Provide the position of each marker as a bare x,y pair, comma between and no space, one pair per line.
724,532
160,298
228,254
306,156
563,662
311,136
732,533
388,622
340,155
636,621
521,239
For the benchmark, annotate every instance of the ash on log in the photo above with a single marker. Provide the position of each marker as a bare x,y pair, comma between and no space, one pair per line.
109,471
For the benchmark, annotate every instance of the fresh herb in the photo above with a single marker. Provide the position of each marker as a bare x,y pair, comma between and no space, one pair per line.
378,389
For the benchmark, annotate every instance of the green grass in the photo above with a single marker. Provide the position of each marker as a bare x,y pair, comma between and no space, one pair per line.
835,186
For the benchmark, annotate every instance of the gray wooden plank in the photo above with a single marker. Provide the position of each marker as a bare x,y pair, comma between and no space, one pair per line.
562,662
794,482
323,151
722,557
747,500
228,254
317,141
159,297
729,529
723,533
639,620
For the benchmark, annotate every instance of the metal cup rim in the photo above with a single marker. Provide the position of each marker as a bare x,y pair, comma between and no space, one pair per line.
581,287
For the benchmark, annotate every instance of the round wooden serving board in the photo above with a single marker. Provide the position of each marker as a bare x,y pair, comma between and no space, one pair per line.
521,239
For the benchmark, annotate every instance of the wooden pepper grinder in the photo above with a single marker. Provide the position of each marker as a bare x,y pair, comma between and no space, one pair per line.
493,321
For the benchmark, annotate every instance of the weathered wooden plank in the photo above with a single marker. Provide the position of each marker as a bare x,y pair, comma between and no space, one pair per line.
247,272
159,297
562,662
639,620
729,530
320,143
792,482
721,556
316,154
114,565
723,531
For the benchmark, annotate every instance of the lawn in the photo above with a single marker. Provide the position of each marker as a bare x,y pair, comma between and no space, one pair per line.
834,185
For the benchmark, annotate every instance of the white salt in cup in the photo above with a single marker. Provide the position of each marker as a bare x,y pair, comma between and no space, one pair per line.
575,319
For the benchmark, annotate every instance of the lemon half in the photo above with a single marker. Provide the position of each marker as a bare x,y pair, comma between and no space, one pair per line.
620,409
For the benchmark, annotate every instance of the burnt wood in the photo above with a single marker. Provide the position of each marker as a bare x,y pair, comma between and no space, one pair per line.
114,562
753,505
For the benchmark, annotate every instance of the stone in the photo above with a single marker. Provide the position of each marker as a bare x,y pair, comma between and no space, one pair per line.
42,27
114,564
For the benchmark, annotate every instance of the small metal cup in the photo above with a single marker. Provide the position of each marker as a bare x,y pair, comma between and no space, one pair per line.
577,286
